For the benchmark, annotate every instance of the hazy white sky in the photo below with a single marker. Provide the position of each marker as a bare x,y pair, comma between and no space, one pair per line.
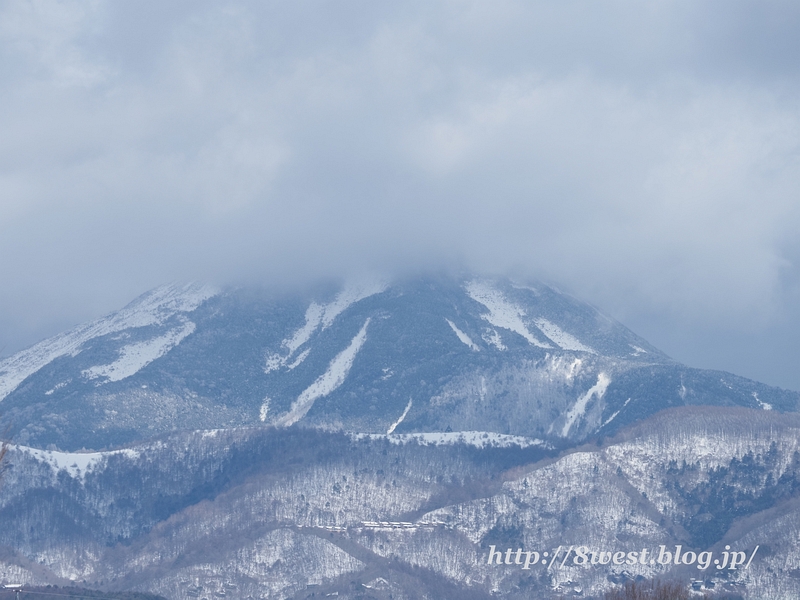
644,155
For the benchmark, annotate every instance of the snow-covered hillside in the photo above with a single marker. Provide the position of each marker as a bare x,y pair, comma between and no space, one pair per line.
287,512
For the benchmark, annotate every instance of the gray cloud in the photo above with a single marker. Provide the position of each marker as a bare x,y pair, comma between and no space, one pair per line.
643,155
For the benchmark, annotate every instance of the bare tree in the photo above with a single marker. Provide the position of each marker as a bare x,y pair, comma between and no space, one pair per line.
660,590
3,450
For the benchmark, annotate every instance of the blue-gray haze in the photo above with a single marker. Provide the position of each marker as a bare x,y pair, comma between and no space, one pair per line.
642,155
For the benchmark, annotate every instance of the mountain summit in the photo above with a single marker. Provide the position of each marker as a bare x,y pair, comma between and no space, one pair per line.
434,355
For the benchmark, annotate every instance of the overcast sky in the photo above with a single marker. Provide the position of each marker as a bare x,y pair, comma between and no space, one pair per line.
644,155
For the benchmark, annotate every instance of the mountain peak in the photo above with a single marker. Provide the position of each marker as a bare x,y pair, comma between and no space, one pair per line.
417,355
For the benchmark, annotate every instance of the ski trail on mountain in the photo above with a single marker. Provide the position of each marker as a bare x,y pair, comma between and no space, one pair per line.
322,316
465,339
561,338
327,382
579,408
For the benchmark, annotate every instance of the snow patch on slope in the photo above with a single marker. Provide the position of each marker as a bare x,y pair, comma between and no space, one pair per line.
763,405
153,308
328,381
465,339
400,420
561,337
56,387
502,313
76,464
264,411
314,314
352,293
135,357
564,367
491,337
579,408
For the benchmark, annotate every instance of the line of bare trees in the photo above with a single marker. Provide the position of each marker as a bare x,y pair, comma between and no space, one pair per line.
660,590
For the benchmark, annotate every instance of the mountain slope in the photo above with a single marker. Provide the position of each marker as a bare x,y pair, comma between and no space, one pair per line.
421,355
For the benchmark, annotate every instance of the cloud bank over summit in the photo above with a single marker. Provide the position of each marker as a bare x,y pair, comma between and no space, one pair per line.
644,156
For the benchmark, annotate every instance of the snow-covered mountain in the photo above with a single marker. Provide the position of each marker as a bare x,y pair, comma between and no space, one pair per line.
379,440
425,355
